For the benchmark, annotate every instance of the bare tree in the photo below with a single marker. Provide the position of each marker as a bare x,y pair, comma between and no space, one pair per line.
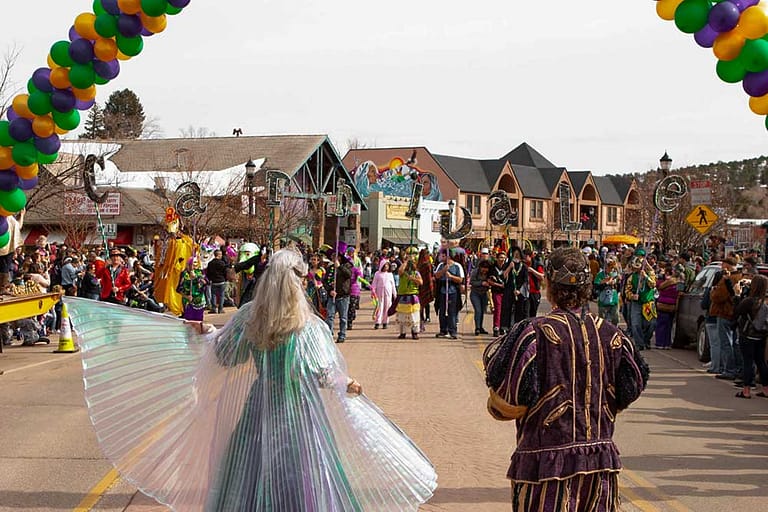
8,87
196,132
152,129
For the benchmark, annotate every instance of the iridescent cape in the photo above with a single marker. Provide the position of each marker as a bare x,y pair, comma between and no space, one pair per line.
213,423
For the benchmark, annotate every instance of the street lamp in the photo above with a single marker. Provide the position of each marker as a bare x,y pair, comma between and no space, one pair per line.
250,173
451,206
591,222
665,163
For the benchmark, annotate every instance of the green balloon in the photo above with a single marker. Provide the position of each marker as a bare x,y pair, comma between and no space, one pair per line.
31,86
24,154
13,200
692,15
730,71
130,46
39,103
754,55
172,11
154,8
98,8
100,81
66,120
106,25
82,76
44,159
5,136
60,54
5,238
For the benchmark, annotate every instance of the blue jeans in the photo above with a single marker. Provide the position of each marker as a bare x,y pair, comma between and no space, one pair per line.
479,303
642,329
714,347
725,340
448,313
217,296
340,305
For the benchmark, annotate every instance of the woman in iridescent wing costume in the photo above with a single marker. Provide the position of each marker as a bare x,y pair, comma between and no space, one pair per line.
258,416
564,378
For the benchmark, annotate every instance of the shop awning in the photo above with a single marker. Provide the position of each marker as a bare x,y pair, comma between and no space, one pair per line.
33,234
621,239
401,236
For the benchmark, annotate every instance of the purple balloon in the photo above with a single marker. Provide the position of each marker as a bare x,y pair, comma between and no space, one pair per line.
724,16
73,35
179,4
146,33
111,7
84,105
81,51
8,181
42,80
3,224
28,184
48,145
11,114
745,4
706,37
756,84
107,70
21,129
63,100
129,25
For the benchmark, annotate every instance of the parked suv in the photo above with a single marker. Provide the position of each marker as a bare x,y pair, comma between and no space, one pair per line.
688,326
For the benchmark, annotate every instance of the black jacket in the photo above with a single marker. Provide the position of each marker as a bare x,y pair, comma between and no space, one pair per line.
216,271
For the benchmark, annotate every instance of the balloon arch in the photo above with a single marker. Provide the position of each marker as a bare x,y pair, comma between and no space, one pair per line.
736,30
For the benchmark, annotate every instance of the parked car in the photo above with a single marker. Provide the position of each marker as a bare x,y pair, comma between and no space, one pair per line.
688,326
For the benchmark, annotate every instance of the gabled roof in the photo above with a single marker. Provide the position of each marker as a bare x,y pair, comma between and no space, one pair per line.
622,185
493,169
469,174
527,156
578,180
552,178
285,152
607,191
531,182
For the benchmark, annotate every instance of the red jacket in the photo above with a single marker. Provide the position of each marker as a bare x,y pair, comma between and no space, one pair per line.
121,284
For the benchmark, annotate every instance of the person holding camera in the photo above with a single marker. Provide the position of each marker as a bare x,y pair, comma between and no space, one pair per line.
723,298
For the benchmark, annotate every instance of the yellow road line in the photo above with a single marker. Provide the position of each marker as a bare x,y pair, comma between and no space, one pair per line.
94,495
636,501
642,482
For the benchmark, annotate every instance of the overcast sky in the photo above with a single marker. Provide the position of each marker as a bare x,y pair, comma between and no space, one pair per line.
603,85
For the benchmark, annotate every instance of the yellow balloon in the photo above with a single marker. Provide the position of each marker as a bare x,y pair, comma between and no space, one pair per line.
105,49
154,24
27,172
61,131
754,22
60,78
129,6
122,56
85,94
51,63
20,106
728,45
759,105
43,126
666,9
6,158
84,25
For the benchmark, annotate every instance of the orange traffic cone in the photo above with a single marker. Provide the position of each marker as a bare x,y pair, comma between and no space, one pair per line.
66,343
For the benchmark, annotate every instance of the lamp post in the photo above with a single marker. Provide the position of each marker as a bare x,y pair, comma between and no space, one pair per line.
250,173
451,206
665,163
591,222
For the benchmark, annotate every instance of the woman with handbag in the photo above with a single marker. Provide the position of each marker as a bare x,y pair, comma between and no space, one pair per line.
666,305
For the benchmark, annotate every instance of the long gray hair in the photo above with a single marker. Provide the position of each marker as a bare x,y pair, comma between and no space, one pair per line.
280,306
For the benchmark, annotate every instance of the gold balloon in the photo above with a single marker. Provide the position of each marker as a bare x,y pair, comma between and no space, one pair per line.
728,45
6,158
666,9
27,172
154,24
759,105
20,106
129,6
105,49
85,94
60,78
84,25
754,22
43,126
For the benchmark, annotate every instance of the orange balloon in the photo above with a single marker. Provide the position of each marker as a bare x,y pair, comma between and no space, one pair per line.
84,25
28,172
129,6
43,126
6,158
122,56
20,106
105,49
60,78
728,45
154,24
61,131
753,22
5,213
666,9
85,94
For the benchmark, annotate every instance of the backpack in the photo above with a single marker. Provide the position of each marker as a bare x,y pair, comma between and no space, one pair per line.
760,322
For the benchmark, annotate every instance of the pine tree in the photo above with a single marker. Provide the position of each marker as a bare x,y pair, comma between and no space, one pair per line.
94,124
123,115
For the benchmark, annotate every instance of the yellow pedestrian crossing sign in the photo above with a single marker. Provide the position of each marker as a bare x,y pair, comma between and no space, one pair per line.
702,218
